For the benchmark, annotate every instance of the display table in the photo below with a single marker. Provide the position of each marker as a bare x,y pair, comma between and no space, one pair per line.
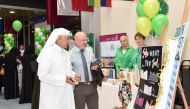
108,96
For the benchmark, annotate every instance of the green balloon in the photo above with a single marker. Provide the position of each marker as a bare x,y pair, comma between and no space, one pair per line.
44,31
141,1
37,38
17,25
41,42
6,38
163,8
11,43
6,49
37,51
5,35
160,1
35,34
140,10
158,23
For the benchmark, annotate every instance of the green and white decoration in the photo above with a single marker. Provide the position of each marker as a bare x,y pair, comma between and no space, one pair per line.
9,42
40,39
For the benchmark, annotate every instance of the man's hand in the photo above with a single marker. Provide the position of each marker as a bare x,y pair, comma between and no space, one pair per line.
77,77
69,80
121,74
94,67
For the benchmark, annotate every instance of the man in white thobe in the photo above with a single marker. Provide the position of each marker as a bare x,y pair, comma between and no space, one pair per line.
55,74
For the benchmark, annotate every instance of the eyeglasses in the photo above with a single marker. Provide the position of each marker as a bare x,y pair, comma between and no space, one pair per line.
122,40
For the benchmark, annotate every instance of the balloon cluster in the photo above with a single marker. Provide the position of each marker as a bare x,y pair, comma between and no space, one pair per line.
40,39
9,42
152,15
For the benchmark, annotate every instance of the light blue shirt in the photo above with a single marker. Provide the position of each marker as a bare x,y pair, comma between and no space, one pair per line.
76,61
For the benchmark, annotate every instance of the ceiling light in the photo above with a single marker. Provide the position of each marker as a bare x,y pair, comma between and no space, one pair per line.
1,18
12,12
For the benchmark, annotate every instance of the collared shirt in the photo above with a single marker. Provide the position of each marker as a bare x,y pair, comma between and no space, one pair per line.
76,61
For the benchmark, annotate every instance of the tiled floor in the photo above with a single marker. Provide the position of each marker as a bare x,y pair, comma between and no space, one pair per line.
12,104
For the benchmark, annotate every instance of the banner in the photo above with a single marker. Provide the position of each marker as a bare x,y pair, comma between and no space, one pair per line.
102,3
149,77
81,5
64,7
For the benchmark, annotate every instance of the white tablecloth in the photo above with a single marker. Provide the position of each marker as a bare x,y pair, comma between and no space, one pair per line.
108,96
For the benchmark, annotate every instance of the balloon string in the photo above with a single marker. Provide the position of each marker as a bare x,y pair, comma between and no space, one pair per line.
162,37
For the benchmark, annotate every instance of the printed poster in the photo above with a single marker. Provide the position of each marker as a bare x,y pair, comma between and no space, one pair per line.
109,44
151,63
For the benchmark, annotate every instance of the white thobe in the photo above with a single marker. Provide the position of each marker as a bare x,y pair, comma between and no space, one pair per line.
55,93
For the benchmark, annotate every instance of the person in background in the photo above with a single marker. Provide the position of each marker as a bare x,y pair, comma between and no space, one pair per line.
20,66
139,39
55,72
123,57
11,74
27,75
81,58
2,72
21,48
36,87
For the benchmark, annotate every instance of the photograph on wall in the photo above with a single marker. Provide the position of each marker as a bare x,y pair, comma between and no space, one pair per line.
109,44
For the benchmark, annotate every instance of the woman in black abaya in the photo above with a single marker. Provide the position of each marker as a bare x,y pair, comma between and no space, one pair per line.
11,74
2,55
27,76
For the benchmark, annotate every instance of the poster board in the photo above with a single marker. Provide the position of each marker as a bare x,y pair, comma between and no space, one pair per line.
109,44
172,69
151,63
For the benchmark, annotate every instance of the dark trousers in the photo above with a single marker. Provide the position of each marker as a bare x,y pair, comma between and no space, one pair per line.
86,94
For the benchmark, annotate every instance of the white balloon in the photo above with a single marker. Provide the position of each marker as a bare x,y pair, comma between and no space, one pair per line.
12,39
8,45
37,29
5,42
39,46
10,35
36,43
43,38
40,34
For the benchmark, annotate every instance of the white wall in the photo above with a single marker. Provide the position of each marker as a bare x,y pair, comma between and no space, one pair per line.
186,54
90,22
122,18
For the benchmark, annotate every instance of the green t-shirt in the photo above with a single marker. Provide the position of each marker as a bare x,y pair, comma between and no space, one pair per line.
124,60
137,57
